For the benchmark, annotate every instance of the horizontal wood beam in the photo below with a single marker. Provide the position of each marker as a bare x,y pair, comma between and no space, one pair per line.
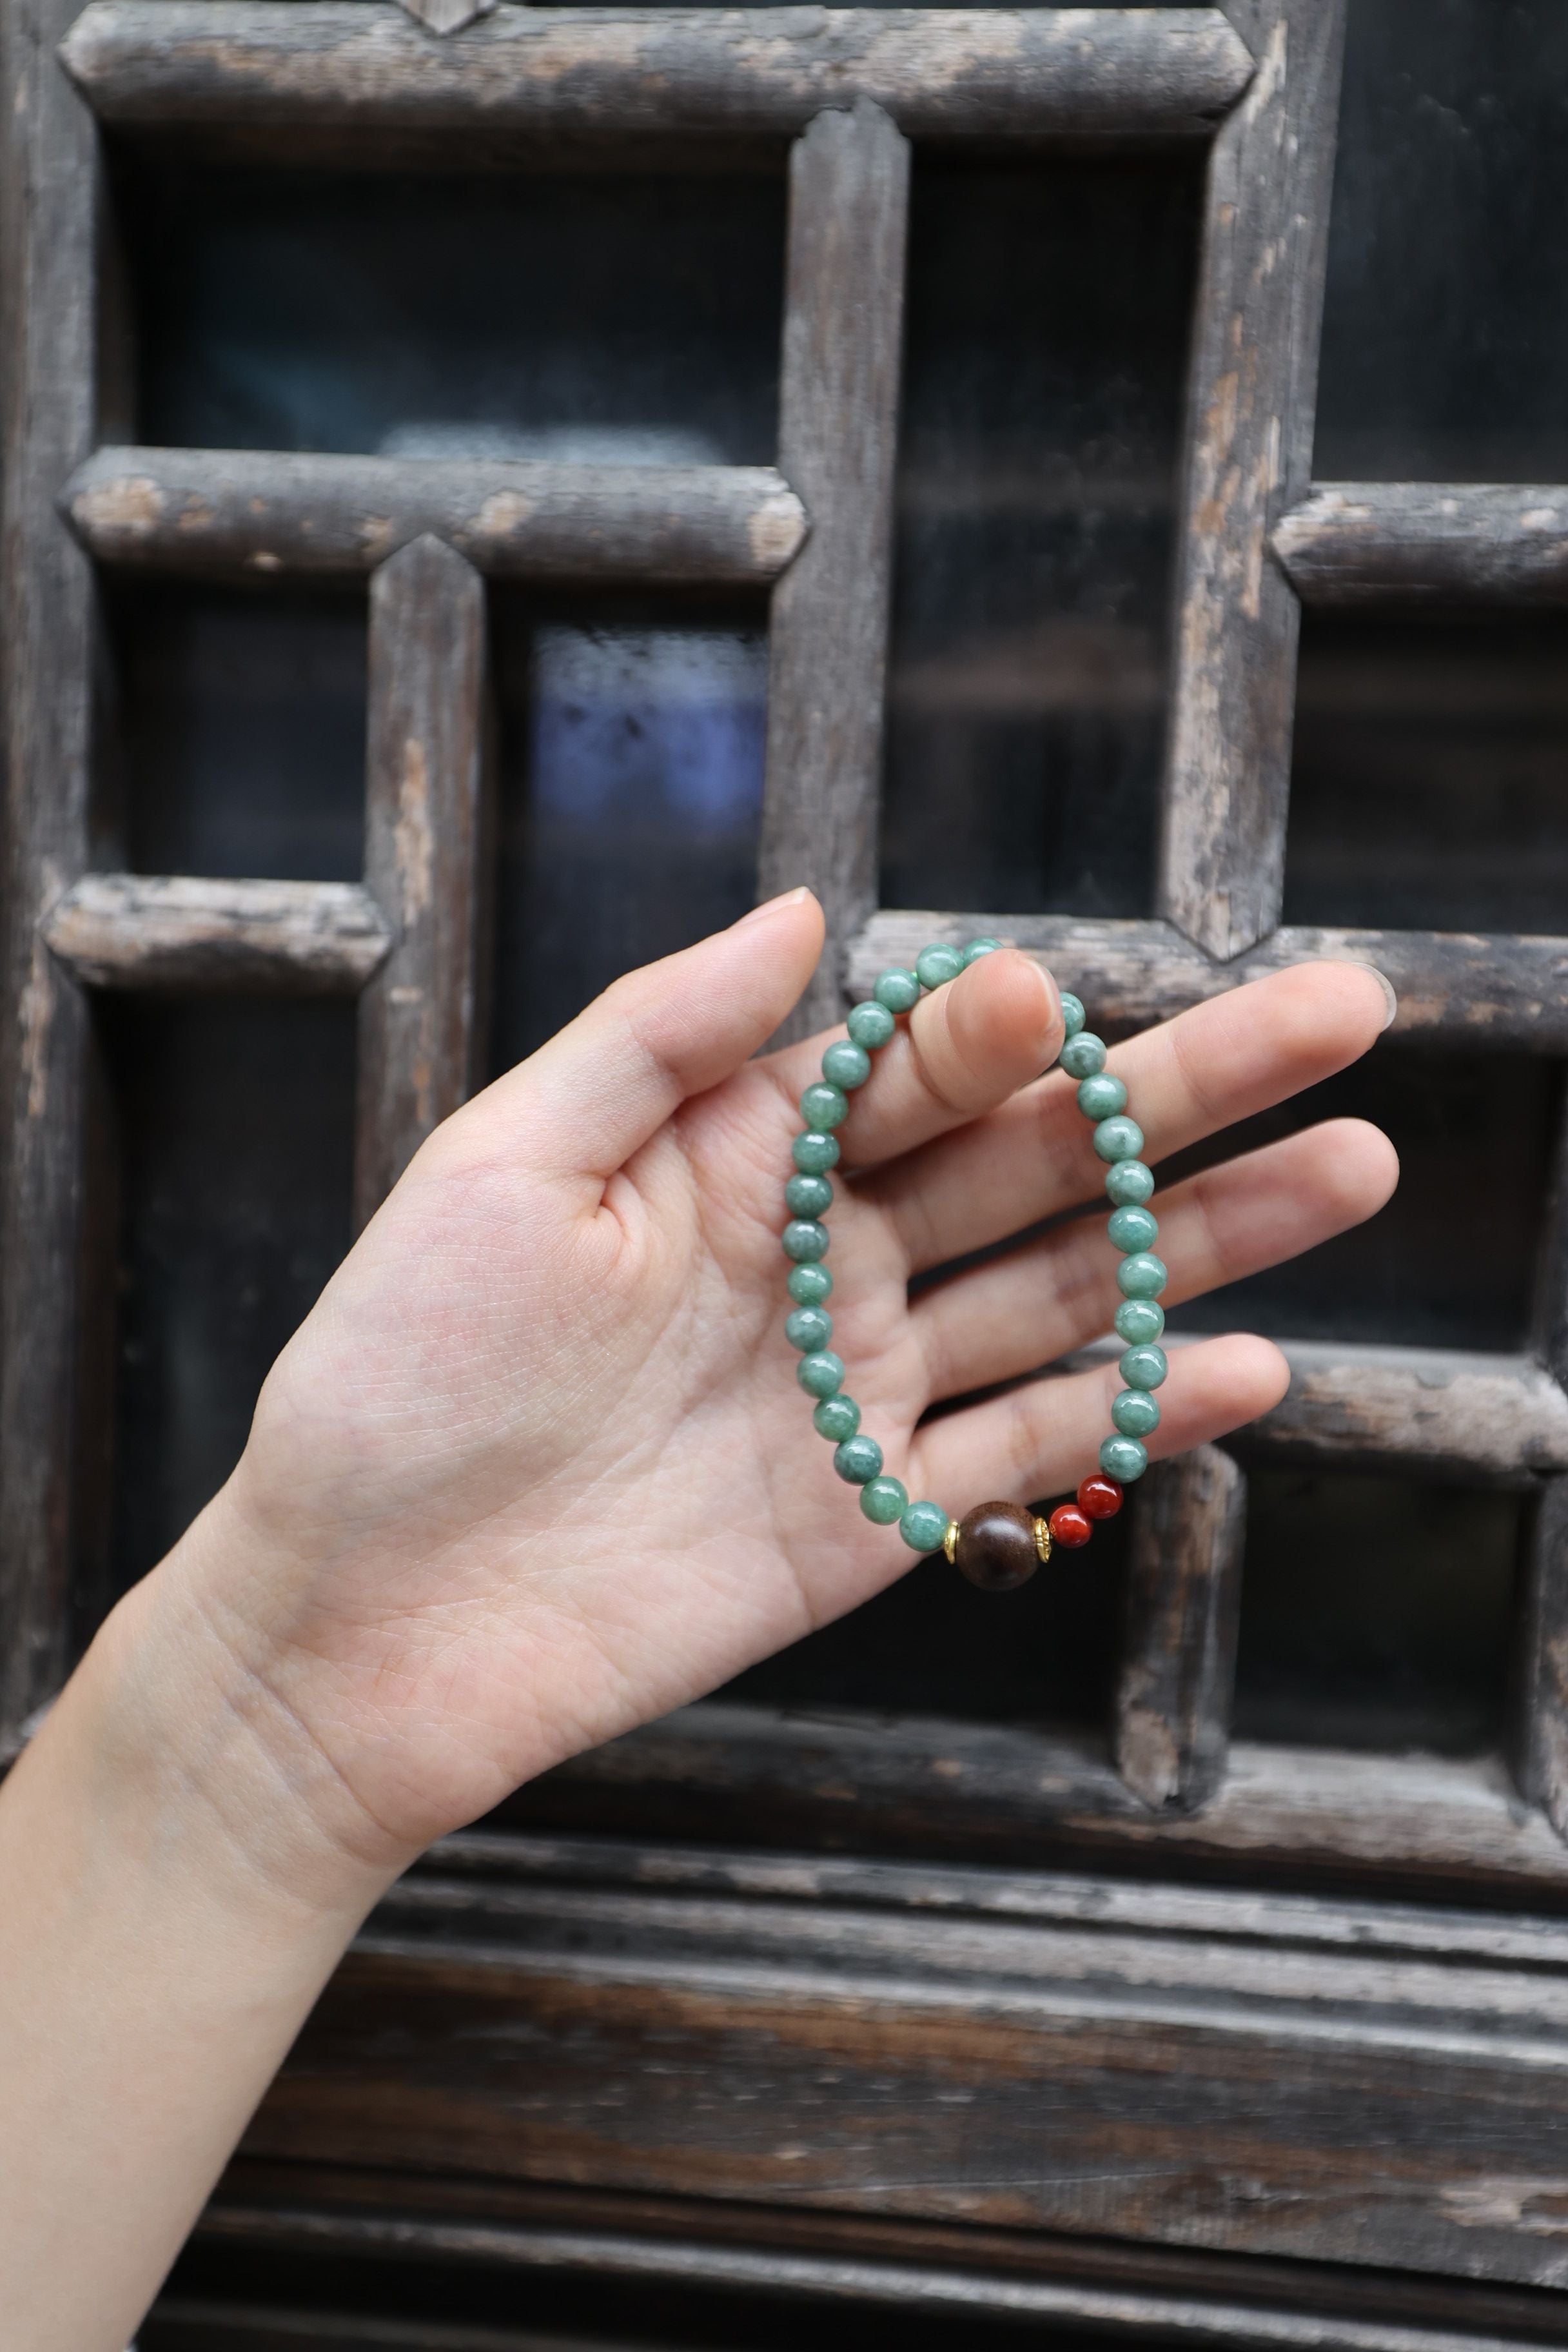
182,934
261,513
609,73
1402,543
1464,986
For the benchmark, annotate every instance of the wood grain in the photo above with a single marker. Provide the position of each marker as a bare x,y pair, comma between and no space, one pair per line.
187,936
1397,544
613,72
1171,1728
1251,397
1540,1708
268,513
843,338
425,839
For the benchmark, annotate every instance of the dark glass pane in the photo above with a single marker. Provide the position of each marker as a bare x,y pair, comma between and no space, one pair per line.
630,799
1046,339
1376,1613
585,315
236,1140
240,747
1445,345
1430,783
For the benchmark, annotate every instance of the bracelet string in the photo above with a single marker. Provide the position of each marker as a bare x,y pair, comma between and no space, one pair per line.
996,1545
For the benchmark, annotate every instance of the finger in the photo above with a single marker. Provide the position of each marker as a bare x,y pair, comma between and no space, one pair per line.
1042,1438
1034,1156
1234,1220
963,1049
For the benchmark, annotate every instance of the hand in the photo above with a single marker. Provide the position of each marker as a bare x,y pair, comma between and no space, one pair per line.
537,1468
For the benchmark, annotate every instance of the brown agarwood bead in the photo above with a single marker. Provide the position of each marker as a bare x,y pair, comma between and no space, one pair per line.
995,1547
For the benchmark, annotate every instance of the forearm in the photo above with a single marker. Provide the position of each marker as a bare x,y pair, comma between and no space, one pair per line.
168,1913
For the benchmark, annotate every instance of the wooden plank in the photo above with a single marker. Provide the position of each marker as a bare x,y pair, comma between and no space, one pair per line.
611,73
248,512
843,337
1250,439
1172,1730
49,200
1399,545
1539,1700
425,822
1497,990
180,934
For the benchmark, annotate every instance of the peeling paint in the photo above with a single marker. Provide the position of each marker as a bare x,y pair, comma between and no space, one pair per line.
133,505
414,847
502,512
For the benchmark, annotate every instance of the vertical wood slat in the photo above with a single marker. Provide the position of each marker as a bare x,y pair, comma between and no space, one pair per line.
1537,1731
48,205
425,818
1183,1600
849,183
1250,403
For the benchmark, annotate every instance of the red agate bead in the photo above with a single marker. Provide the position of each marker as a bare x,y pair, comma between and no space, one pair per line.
1070,1527
1099,1498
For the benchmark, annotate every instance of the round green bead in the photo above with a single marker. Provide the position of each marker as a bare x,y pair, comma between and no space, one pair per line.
1101,1096
884,1500
1132,1229
1118,1138
809,1285
899,990
923,1526
822,1374
1143,1275
1073,1015
807,1196
805,1240
1135,1413
978,948
1129,1183
1083,1055
1139,1320
857,1461
870,1025
815,1154
1144,1368
809,1327
825,1106
837,1417
846,1065
1122,1458
934,965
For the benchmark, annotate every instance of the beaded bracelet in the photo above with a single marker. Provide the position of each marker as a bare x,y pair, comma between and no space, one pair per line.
996,1545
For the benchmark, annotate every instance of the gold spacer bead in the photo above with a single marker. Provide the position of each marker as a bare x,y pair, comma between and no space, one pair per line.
1042,1540
949,1543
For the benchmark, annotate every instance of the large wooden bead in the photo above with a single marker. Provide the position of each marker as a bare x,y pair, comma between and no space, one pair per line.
995,1546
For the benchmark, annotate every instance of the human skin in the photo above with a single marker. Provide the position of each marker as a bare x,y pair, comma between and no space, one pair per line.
536,1469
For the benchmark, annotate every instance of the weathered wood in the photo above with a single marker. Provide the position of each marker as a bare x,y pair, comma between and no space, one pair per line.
48,201
1249,440
609,73
1174,1692
425,825
1466,986
444,17
176,933
1539,1700
839,399
250,512
1399,544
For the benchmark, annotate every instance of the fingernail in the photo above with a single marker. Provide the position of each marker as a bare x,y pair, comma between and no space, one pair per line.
770,905
1386,985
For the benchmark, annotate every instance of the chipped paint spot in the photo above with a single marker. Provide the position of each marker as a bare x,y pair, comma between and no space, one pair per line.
1538,519
375,535
502,511
36,1015
413,846
265,561
776,531
196,515
134,504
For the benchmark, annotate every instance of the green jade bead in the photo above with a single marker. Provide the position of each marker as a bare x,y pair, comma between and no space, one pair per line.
822,1374
1129,1183
1139,1320
1122,1458
1143,1275
1135,1413
1132,1229
837,1417
815,1154
883,1500
1118,1138
1101,1096
897,989
1083,1057
809,1328
805,1240
807,1196
1073,1015
846,1065
923,1526
935,965
1144,1368
857,1461
824,1106
809,1285
978,948
870,1025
